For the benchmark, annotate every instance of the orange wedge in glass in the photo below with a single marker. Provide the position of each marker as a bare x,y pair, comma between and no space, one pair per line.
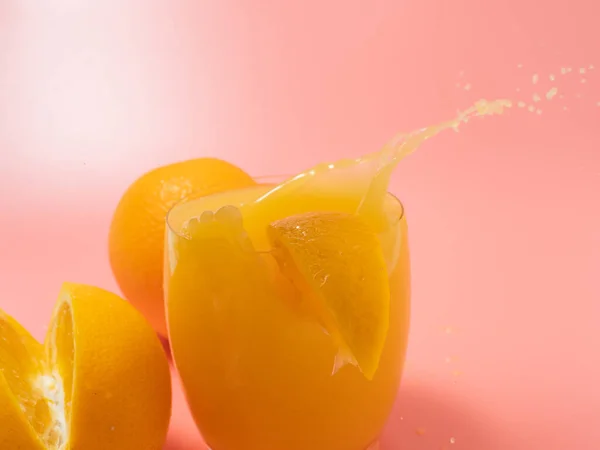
336,260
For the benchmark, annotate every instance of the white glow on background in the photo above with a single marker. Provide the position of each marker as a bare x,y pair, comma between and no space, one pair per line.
77,84
90,89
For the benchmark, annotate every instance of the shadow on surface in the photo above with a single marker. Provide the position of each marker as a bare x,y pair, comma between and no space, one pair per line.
428,419
422,419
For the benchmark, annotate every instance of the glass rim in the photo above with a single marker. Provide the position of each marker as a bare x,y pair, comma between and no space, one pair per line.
258,179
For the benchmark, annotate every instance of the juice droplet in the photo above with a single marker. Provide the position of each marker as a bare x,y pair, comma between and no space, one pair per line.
551,93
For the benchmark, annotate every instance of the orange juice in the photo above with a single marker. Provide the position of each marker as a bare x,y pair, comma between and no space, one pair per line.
257,370
288,304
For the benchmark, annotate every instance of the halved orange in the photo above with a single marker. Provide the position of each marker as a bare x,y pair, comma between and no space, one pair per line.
100,381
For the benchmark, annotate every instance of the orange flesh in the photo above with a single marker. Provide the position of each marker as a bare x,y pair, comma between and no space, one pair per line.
22,363
61,353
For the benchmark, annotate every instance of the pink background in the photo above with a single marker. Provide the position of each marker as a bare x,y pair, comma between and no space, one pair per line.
504,216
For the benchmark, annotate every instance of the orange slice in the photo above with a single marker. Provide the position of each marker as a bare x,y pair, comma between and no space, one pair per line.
100,381
337,261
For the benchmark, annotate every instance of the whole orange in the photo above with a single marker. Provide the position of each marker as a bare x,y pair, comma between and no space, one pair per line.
137,232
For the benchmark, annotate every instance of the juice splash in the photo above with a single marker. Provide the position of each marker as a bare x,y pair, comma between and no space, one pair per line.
358,185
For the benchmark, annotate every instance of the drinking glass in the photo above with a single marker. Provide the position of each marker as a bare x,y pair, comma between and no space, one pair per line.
256,372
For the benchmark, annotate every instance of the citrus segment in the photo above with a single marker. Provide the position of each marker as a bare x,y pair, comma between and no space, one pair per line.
24,413
136,236
337,261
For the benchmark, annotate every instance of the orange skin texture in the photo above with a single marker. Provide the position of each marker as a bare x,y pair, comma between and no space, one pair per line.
122,382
